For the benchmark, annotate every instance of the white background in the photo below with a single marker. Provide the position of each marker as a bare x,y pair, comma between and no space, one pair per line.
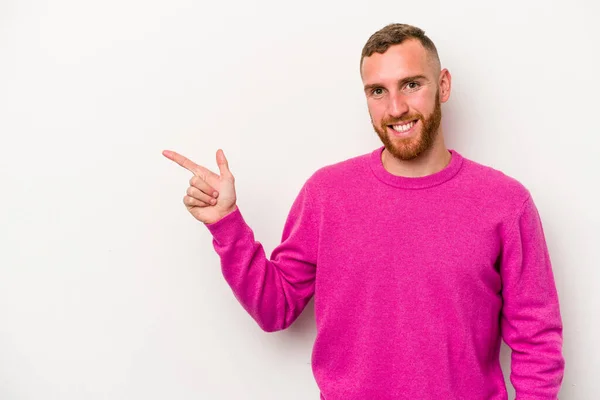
109,289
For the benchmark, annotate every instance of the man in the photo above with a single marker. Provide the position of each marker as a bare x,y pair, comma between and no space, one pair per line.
420,260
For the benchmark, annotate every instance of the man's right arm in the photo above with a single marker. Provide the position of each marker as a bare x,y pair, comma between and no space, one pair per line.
274,290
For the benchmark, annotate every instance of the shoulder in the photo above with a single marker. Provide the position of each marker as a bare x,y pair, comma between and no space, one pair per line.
494,186
339,172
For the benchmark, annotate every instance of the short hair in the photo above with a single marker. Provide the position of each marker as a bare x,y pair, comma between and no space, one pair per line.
393,34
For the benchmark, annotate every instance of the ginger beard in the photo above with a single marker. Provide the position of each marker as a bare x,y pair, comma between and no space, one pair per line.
411,148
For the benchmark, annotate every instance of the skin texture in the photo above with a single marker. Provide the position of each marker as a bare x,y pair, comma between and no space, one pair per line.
401,85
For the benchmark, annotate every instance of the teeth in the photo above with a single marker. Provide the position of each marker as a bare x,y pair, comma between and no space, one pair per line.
403,128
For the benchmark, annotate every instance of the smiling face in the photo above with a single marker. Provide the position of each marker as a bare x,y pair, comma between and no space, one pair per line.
404,99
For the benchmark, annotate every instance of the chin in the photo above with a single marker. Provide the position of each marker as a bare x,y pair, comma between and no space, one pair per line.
406,155
407,150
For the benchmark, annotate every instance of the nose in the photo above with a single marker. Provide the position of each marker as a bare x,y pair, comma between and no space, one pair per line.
397,106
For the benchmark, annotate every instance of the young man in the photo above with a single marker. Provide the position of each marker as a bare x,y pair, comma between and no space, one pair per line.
420,260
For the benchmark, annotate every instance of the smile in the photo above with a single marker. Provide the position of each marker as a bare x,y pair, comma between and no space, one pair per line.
403,129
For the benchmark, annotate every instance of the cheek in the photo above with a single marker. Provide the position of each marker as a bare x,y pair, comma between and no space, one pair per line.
376,110
423,105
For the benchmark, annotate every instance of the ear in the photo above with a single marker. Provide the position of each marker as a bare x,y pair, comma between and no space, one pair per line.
445,85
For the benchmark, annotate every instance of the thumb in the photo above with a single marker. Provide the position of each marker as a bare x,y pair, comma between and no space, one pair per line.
223,164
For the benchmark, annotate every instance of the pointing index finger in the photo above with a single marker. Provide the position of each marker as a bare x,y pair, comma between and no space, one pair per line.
187,164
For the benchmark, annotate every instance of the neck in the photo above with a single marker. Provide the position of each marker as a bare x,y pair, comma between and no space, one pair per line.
431,161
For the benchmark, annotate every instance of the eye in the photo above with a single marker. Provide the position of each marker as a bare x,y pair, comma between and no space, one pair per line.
413,85
377,91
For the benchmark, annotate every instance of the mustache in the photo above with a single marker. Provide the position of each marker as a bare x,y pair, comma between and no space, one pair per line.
397,121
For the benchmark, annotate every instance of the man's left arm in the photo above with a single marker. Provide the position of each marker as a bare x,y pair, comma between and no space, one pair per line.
531,323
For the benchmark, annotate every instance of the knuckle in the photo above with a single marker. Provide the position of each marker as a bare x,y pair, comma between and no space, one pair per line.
189,201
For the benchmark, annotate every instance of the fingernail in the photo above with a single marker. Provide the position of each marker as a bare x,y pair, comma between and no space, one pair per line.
215,194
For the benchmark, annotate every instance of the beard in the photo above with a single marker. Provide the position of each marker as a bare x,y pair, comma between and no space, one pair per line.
410,148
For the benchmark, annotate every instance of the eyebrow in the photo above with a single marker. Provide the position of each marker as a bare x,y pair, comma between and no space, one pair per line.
401,83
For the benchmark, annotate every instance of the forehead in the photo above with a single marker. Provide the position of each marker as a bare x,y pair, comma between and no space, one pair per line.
408,58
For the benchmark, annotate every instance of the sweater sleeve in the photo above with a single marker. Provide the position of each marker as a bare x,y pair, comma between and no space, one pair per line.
531,321
274,290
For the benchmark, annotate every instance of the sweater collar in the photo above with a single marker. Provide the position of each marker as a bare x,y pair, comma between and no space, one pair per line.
422,182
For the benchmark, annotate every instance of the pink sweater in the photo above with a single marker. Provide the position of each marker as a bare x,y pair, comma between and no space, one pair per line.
415,280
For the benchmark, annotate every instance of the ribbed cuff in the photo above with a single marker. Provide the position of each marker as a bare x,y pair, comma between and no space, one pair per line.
230,228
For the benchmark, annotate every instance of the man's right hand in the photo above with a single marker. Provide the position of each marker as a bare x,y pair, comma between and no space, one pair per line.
210,197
